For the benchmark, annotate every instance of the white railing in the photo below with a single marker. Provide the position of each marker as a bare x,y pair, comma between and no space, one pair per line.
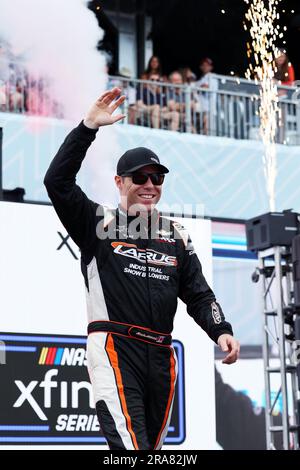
228,107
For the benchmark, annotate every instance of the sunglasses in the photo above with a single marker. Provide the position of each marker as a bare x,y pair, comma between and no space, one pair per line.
141,178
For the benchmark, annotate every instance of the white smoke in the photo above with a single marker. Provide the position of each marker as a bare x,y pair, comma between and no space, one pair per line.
57,40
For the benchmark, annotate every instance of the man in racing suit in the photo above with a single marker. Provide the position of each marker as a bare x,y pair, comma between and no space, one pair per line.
135,265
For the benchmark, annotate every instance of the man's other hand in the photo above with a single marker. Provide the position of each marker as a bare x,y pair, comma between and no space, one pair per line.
228,343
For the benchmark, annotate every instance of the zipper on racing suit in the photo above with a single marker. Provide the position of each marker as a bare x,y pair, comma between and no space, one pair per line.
146,243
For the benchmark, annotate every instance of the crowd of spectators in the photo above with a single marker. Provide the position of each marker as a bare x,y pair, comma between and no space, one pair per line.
180,101
22,91
161,101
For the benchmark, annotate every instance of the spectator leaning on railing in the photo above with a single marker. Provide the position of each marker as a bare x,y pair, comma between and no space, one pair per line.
176,96
149,100
152,105
176,100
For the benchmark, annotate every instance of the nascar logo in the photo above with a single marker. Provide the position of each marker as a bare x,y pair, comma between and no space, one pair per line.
62,357
153,257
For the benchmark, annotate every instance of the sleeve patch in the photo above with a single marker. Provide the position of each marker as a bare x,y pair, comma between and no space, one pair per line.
215,312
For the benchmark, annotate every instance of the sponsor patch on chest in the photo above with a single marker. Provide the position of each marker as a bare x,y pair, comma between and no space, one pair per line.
144,256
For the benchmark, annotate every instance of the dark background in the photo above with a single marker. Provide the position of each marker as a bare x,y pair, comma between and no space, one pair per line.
183,32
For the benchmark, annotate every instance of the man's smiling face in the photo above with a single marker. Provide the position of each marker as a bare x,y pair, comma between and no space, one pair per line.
139,197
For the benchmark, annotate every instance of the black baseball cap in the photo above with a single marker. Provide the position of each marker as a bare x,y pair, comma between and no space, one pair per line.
207,60
136,158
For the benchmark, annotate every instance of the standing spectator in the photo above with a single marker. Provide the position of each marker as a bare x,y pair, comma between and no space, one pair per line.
206,66
153,67
206,81
284,74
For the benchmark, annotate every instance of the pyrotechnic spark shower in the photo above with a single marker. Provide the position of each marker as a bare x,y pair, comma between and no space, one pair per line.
263,16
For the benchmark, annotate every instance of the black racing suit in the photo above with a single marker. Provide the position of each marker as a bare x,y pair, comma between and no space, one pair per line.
134,271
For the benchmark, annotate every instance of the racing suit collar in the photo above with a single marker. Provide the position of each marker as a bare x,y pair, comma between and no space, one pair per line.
127,218
146,227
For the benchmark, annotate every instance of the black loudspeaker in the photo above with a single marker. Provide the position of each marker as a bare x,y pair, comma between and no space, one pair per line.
296,279
272,229
297,349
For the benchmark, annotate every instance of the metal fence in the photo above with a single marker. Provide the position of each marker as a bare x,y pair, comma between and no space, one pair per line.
228,107
224,106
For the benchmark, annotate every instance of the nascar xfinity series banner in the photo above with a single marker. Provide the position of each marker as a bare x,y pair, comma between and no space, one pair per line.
46,396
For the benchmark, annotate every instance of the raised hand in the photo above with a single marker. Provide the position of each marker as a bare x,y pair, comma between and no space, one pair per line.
101,112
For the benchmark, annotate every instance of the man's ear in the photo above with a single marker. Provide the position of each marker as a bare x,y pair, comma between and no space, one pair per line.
118,181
